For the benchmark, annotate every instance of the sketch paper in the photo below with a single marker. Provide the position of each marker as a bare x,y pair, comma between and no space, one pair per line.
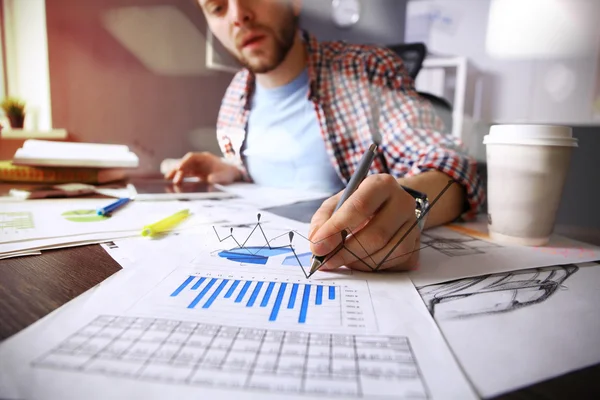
513,329
465,250
222,328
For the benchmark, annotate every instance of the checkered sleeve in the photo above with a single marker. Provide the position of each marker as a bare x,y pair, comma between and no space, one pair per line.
413,137
228,118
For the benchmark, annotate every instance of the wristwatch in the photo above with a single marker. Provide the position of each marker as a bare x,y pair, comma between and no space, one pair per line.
422,203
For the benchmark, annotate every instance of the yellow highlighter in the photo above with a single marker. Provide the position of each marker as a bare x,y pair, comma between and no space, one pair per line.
165,225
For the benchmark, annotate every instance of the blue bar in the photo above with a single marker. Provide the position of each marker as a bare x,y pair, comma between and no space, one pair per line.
254,294
240,296
278,301
202,293
231,289
304,307
197,284
331,292
265,299
293,296
182,286
319,299
216,293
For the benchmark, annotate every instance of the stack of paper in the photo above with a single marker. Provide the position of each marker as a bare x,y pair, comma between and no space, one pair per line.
225,328
43,224
225,310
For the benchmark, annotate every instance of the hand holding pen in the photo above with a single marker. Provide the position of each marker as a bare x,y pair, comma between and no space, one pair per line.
368,218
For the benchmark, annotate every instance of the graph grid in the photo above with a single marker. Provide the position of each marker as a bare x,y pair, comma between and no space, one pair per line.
13,222
189,353
256,294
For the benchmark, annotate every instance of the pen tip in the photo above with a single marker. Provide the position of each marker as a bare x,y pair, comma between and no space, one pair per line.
316,264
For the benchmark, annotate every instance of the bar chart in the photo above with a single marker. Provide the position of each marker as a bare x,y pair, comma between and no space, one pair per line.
281,303
249,294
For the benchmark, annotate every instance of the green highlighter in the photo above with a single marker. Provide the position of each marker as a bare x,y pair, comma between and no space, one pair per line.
166,224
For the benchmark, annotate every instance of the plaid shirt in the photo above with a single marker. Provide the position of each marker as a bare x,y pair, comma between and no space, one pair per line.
343,78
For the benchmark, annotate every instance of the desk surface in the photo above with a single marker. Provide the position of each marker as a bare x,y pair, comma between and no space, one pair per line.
33,286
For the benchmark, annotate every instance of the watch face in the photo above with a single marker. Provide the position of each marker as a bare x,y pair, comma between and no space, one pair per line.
345,13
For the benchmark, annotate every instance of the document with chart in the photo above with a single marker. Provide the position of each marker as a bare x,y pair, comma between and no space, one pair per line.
241,320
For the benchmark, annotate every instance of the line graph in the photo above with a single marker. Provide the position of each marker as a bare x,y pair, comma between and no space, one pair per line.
260,254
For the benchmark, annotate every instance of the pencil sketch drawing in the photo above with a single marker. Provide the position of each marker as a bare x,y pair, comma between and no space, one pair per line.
454,244
494,293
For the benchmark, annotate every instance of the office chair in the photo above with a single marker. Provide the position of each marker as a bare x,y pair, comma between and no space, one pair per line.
413,55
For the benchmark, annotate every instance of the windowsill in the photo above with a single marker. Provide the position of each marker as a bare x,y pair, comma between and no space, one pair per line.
55,134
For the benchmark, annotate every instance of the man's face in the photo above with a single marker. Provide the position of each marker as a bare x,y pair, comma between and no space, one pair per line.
259,33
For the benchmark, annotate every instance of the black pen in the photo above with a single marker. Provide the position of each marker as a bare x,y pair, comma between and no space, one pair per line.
358,176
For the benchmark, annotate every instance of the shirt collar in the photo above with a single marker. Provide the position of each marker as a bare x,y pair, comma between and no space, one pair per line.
313,63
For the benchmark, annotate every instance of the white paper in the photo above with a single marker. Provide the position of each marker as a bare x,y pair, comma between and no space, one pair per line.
13,249
20,254
41,224
514,329
170,328
464,250
265,197
69,217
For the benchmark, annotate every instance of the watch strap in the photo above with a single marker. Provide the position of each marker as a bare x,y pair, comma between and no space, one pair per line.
422,202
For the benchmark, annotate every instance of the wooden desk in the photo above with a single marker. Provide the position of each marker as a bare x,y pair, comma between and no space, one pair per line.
33,286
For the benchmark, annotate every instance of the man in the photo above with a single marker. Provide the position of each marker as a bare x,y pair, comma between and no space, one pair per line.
302,113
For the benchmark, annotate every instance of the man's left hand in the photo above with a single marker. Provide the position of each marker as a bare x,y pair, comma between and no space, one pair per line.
376,216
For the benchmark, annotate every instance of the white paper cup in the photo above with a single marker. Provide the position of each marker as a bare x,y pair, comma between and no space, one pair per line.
527,166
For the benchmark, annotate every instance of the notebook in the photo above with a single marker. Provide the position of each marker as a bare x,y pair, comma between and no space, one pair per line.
72,154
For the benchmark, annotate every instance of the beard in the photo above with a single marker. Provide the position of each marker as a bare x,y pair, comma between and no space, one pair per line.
279,42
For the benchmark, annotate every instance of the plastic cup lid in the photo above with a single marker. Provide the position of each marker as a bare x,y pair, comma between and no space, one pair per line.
538,135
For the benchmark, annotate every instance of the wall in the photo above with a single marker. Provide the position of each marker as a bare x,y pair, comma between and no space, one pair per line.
132,72
556,90
522,89
579,203
27,59
381,22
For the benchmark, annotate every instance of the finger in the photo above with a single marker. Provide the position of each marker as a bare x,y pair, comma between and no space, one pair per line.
400,253
323,214
196,164
382,227
370,196
404,257
169,175
178,178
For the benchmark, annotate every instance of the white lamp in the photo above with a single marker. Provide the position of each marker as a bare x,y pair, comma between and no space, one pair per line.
524,29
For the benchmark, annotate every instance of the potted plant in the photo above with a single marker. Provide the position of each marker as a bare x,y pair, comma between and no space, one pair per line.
14,109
